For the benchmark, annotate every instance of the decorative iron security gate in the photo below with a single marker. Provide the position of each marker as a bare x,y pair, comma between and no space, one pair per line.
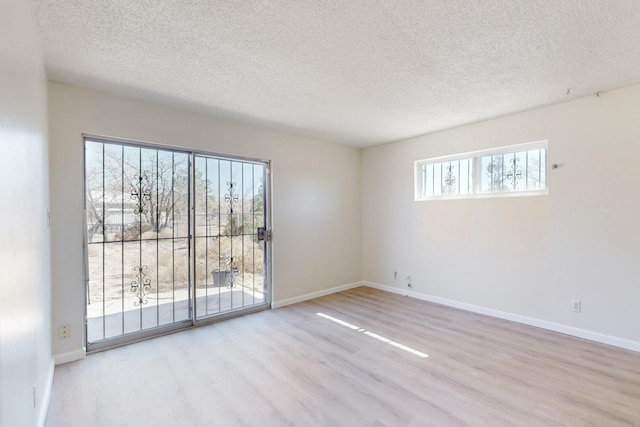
165,228
229,251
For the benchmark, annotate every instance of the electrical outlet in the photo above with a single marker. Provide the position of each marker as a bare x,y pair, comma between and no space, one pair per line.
64,332
576,305
409,278
395,275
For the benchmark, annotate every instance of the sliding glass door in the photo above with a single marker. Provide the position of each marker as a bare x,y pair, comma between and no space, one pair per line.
164,229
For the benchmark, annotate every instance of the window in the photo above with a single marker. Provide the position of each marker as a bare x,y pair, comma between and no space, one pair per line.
448,178
508,171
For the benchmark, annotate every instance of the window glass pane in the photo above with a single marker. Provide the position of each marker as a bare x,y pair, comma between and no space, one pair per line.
513,172
521,158
538,167
449,178
533,169
513,176
437,179
428,179
499,183
465,176
486,174
543,169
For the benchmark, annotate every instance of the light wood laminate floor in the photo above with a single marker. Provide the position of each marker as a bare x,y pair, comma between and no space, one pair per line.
357,364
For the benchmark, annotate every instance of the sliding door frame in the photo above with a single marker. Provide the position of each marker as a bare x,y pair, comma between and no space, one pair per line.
193,321
267,247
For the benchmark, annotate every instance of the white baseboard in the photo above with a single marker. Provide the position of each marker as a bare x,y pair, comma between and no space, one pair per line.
312,295
70,356
46,395
544,324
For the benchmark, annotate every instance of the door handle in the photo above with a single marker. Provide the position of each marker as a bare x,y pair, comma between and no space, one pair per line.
262,234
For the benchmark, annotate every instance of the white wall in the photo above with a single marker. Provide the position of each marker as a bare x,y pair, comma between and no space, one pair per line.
25,340
315,184
530,256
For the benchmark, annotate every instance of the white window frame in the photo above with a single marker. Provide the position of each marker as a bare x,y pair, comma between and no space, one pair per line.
476,171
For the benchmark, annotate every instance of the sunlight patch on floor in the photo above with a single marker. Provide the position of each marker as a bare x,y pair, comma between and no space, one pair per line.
373,335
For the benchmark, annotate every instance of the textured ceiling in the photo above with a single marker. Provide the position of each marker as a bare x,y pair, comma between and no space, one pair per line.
359,72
